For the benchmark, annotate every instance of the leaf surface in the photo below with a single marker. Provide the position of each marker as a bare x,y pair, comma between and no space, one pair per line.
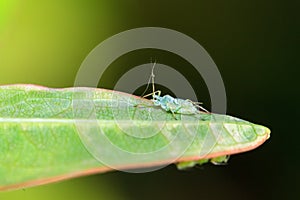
47,135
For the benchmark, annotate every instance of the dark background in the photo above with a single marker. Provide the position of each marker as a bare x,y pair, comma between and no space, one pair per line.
254,44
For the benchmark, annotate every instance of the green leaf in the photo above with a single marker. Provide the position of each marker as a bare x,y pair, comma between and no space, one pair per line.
47,135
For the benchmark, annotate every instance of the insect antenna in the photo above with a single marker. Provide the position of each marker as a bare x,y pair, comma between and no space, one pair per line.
153,86
150,78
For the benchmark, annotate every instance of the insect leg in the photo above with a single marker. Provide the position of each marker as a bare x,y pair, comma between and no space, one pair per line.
174,115
173,111
142,105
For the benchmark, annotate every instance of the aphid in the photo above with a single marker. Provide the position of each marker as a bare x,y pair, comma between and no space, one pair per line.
220,160
182,106
171,104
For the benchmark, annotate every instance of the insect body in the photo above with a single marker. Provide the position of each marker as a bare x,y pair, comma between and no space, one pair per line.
175,105
171,104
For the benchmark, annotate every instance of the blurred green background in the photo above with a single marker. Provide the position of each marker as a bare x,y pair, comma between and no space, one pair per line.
252,42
